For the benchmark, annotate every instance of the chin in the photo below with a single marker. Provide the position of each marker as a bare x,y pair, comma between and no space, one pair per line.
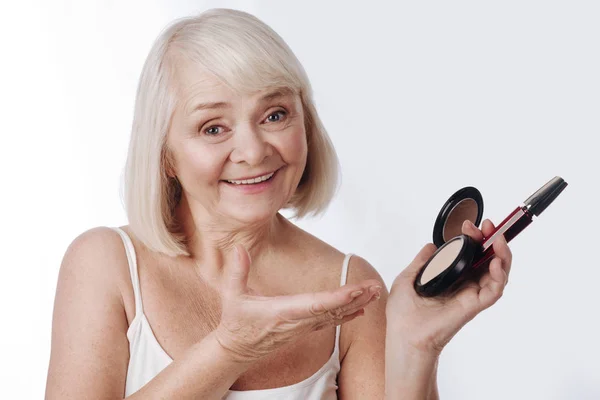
253,215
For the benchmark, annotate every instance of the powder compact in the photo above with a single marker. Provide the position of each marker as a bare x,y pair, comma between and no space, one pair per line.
458,256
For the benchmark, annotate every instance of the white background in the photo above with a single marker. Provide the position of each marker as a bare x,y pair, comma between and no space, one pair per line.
420,99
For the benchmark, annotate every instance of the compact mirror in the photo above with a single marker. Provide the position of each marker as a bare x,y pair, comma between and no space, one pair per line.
455,251
465,204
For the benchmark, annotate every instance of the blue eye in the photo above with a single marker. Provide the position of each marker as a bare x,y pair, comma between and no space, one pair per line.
276,114
213,130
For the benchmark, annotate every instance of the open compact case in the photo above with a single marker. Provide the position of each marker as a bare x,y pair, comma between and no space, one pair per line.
458,256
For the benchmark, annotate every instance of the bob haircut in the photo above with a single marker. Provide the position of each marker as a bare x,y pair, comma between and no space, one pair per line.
246,55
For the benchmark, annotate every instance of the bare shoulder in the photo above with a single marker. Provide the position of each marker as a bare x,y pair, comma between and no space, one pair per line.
89,344
322,253
99,254
360,269
96,241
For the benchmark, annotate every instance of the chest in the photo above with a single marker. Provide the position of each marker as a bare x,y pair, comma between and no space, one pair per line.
182,311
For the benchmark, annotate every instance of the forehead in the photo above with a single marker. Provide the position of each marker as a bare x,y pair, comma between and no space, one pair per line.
197,88
193,83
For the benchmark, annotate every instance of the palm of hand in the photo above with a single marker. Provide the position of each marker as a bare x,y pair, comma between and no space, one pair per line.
253,325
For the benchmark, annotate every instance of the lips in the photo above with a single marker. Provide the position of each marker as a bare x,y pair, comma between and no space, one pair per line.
259,179
253,188
253,180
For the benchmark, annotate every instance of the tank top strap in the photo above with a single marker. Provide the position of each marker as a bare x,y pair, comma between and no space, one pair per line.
345,269
133,270
343,279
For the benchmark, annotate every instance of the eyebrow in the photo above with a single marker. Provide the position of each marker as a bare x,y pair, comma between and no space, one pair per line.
282,92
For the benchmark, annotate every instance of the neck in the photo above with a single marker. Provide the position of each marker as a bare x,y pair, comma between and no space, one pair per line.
211,240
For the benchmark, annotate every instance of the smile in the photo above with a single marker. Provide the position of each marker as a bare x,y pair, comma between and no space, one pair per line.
253,180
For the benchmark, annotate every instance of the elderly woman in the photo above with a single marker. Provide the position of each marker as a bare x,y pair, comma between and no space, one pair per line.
210,292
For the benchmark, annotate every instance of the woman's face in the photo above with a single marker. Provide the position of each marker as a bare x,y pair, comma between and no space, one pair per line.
220,138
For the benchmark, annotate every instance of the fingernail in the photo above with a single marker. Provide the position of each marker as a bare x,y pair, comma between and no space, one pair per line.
356,294
377,296
374,289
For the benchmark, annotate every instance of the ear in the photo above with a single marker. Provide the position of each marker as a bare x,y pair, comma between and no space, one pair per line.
170,172
169,164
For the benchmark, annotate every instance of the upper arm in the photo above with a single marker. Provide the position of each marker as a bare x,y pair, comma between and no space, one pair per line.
362,374
89,349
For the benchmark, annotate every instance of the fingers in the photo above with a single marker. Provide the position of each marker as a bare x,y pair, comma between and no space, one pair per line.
335,322
237,271
476,296
471,230
487,227
503,252
493,289
345,301
501,248
330,304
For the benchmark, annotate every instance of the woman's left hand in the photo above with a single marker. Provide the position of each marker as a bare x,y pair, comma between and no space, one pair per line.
427,324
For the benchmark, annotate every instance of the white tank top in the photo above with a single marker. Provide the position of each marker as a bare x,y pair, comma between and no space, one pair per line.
147,358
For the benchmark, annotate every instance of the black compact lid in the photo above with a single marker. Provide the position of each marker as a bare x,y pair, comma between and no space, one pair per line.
467,203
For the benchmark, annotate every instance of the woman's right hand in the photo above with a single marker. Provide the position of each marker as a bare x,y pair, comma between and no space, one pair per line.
253,326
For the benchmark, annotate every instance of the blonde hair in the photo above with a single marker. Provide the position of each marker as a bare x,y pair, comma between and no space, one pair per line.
245,54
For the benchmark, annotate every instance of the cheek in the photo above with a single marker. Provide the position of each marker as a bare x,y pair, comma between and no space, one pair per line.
293,147
201,163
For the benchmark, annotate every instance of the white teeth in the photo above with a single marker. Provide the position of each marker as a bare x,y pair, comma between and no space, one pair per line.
251,181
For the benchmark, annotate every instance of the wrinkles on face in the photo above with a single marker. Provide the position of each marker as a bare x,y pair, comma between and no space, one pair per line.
218,135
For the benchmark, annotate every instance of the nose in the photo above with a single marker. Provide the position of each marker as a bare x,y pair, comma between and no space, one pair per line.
250,146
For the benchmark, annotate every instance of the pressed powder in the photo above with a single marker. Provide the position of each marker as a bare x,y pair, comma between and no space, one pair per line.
442,260
465,209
